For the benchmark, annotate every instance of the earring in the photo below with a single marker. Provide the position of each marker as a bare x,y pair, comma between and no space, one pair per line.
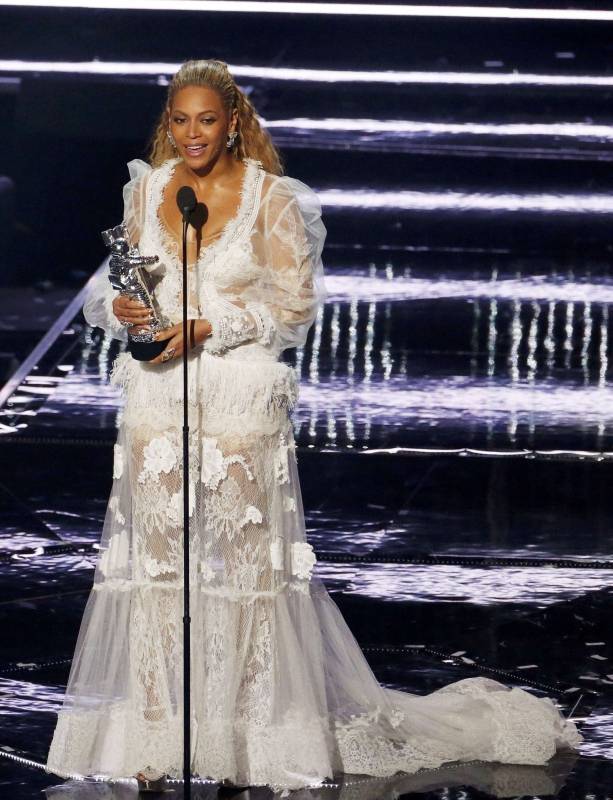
171,139
231,137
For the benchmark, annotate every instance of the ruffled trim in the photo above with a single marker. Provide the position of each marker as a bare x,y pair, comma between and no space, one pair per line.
287,755
254,390
234,228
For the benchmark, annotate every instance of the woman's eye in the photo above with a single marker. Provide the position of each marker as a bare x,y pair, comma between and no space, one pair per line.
208,120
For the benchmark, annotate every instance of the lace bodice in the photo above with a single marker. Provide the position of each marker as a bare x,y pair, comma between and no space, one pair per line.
260,281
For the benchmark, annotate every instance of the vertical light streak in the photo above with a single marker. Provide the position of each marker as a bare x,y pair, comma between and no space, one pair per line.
491,338
387,362
550,344
604,346
604,364
335,333
515,336
568,334
353,347
335,336
313,419
531,361
586,342
353,339
512,425
87,350
104,356
492,332
314,367
368,345
315,347
370,331
474,338
403,366
331,426
298,369
533,342
368,362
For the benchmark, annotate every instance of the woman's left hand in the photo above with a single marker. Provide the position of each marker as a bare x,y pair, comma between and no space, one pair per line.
174,334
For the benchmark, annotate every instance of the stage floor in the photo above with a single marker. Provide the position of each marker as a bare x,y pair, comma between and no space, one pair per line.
443,566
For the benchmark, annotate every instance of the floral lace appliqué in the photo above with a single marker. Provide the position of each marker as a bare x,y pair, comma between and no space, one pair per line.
114,507
117,461
281,461
214,466
221,509
154,567
175,505
396,717
252,514
303,560
159,456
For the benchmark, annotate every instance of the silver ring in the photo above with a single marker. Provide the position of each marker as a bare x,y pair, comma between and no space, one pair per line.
125,323
168,354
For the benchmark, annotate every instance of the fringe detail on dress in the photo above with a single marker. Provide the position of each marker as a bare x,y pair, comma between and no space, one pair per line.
259,389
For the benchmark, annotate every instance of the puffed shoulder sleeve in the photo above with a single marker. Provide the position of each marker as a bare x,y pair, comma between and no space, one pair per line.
287,241
98,304
293,238
134,198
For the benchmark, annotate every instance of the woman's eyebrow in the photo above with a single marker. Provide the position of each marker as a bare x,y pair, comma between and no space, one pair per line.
207,111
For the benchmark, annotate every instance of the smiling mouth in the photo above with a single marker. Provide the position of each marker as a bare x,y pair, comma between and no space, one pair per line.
195,149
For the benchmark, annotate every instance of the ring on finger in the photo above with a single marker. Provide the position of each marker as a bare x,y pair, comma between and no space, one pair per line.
168,354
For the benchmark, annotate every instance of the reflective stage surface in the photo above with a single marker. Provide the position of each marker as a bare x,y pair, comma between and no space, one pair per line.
404,360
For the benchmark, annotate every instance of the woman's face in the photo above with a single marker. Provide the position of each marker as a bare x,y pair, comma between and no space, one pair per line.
199,125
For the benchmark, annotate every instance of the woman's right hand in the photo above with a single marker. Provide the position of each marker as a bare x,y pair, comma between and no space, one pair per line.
128,310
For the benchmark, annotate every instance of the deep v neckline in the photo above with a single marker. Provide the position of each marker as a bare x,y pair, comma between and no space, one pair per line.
167,239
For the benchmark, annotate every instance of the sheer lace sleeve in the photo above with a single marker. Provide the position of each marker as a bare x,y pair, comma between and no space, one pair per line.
98,308
287,240
134,198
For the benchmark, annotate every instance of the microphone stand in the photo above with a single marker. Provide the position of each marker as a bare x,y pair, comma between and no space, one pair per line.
187,772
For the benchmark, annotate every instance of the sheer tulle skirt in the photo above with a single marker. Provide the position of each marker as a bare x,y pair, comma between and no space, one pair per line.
281,692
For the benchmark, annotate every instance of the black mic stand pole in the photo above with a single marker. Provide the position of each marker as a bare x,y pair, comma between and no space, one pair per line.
187,772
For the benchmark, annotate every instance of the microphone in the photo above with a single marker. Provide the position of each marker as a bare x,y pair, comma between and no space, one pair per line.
198,216
186,200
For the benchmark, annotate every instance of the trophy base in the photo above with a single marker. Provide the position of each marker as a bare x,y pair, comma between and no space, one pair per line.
145,351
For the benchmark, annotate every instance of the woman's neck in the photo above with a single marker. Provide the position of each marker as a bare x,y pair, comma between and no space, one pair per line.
224,169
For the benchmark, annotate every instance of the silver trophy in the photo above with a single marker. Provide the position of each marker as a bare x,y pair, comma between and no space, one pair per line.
128,277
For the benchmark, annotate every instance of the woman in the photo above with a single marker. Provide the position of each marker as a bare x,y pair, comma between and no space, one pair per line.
281,693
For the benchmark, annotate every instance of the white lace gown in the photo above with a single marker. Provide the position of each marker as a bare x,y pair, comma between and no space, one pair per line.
282,695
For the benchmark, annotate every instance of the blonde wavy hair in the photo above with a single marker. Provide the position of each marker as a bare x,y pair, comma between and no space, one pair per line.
252,140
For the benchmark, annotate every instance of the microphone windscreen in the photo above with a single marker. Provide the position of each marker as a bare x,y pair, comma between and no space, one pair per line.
186,199
198,216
